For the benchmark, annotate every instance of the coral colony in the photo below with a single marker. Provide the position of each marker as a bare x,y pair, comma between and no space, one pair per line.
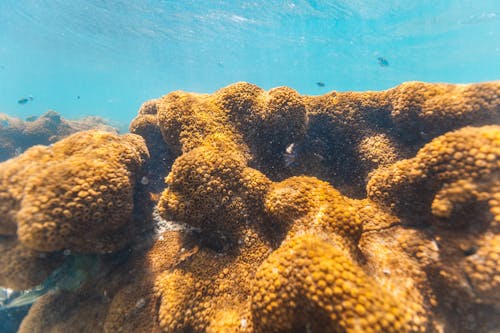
386,220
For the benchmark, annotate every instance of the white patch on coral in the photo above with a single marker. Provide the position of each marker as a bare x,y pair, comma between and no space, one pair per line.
140,303
161,225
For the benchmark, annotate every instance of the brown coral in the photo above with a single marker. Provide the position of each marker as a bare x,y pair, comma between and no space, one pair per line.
454,169
161,156
307,203
451,184
75,195
82,194
399,121
263,122
210,187
264,249
309,284
427,110
121,301
32,186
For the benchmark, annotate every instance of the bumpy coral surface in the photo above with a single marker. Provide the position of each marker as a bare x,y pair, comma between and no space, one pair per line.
76,195
307,278
347,212
453,170
452,187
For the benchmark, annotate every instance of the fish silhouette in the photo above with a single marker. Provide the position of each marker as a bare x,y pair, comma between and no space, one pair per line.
25,100
383,62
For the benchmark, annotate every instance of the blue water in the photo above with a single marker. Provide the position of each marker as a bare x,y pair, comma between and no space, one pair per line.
105,58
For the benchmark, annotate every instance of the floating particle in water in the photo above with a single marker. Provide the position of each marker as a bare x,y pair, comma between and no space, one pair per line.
25,100
383,62
320,84
144,180
140,303
290,155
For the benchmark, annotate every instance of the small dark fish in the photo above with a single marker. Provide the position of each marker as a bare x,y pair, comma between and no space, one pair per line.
290,155
31,118
383,62
25,100
78,97
320,84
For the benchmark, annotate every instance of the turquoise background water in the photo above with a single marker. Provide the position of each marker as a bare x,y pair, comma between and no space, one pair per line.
116,54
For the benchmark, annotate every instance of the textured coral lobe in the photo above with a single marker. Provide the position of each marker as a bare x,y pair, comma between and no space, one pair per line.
433,109
75,195
307,203
454,169
275,212
309,284
82,193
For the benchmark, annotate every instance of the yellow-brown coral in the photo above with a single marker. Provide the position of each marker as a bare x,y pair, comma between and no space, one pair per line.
207,189
309,284
270,241
81,194
210,187
307,203
454,169
452,185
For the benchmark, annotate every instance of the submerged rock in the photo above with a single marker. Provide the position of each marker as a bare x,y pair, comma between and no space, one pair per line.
17,135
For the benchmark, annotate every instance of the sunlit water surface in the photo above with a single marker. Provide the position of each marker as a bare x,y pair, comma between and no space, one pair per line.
105,58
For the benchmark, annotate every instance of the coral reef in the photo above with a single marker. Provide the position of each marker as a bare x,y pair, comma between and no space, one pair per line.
346,212
17,135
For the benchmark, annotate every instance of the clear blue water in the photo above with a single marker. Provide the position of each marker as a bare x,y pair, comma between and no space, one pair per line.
116,54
